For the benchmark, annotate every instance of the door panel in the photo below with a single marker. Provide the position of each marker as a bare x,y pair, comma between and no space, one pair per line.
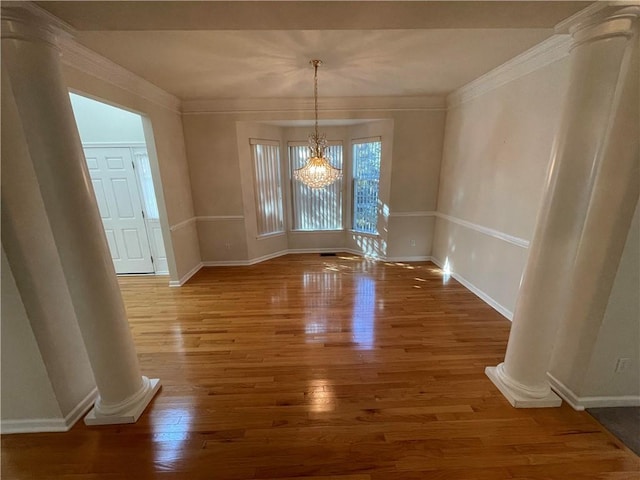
98,188
114,182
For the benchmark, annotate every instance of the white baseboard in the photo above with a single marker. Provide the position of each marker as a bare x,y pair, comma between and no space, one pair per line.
226,263
581,403
36,425
33,425
83,407
505,312
410,259
280,253
186,276
295,251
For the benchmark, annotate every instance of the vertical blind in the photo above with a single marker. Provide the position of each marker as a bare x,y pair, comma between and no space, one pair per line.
366,180
266,160
320,208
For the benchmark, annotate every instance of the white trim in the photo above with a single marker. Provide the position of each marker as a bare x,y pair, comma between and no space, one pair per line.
517,397
581,403
86,60
542,54
61,27
565,393
129,411
226,263
427,258
519,242
85,404
337,250
182,224
505,312
185,278
269,256
265,236
295,251
362,140
114,145
565,25
263,141
304,232
215,218
35,425
611,401
363,234
413,214
263,105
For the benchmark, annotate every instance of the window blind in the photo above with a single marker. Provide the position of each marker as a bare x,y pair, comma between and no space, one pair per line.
315,209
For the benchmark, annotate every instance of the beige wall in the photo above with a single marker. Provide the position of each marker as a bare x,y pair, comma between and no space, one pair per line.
26,390
219,164
496,155
619,335
171,171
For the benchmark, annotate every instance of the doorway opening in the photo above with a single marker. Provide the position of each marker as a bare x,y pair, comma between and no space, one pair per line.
115,150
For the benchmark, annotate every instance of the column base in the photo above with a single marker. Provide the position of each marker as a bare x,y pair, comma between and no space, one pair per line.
128,416
519,401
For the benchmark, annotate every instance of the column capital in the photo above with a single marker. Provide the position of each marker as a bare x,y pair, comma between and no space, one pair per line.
610,22
28,22
601,20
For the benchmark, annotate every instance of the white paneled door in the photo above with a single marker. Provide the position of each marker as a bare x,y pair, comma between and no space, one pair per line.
116,188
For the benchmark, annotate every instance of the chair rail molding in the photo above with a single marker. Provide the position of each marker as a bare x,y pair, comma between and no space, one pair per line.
517,241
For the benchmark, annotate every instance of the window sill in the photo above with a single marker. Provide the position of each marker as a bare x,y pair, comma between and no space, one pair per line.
298,232
364,234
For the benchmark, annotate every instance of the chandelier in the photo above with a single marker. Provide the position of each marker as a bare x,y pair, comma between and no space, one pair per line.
318,171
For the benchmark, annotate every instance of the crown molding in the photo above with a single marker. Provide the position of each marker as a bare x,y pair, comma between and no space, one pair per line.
86,60
58,26
544,53
269,105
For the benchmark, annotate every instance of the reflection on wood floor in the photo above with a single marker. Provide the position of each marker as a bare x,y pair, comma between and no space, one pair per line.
322,368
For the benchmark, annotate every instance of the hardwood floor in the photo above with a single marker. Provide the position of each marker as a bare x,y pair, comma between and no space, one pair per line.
322,368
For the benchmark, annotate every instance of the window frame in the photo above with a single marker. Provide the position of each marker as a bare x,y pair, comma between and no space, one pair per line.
352,226
280,201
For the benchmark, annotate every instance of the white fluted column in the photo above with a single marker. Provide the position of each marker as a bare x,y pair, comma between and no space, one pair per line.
44,131
587,207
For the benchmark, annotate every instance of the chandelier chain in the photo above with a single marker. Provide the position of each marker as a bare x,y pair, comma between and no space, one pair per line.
317,172
315,93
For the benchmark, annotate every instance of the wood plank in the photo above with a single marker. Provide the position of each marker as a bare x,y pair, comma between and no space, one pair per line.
323,368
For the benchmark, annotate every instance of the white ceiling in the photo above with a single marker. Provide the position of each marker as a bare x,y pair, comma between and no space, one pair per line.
198,50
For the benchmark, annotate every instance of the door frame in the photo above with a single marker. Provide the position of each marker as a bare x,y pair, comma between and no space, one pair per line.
132,146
